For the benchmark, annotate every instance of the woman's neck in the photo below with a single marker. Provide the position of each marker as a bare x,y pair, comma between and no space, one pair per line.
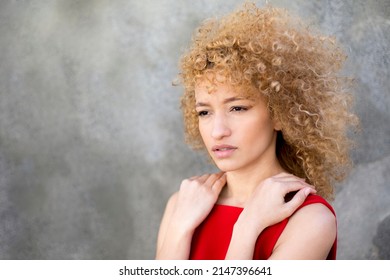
242,183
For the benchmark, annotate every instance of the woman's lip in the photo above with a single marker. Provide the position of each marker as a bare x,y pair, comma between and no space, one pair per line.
223,147
223,151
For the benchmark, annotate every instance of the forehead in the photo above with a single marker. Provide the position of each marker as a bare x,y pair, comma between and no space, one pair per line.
206,89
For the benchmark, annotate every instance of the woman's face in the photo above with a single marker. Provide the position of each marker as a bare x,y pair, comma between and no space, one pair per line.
237,132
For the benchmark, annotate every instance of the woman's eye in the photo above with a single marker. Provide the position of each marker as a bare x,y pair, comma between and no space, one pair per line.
202,113
238,109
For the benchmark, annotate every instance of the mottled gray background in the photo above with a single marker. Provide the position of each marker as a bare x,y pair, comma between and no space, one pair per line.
91,138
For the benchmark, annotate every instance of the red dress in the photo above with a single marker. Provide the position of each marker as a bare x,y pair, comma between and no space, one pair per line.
211,239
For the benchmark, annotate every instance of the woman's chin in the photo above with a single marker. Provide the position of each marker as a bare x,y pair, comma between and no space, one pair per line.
225,167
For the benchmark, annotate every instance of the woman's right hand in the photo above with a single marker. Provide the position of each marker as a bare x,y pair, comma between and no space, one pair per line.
185,210
196,198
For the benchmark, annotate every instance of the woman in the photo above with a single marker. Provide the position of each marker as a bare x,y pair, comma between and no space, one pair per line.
263,97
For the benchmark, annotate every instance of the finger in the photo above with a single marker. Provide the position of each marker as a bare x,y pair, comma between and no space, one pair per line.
219,183
297,200
202,179
212,178
288,177
296,186
281,175
196,177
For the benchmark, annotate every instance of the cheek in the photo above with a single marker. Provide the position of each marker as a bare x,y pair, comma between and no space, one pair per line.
202,130
259,121
257,128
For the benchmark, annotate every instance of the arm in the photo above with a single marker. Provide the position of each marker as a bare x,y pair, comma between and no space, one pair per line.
185,210
309,234
265,208
173,241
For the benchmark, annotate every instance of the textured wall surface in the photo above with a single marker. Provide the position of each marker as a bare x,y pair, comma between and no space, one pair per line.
91,138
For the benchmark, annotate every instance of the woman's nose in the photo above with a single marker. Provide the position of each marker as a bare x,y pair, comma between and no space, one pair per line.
221,127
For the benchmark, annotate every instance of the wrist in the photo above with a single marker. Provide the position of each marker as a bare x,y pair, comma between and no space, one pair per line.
250,225
246,231
180,230
242,243
176,244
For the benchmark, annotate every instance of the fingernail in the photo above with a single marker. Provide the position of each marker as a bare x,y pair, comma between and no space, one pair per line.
307,191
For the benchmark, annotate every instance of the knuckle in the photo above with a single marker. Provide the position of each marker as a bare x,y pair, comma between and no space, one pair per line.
270,179
288,210
195,183
186,182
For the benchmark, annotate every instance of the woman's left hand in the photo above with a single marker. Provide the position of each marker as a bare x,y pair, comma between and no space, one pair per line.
267,206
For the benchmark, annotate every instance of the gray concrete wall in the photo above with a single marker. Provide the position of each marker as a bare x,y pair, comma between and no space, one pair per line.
91,138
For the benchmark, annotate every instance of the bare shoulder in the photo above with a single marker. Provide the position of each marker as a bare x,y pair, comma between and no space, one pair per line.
313,225
314,214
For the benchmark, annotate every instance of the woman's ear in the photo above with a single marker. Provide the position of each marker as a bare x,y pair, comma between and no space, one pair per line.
277,125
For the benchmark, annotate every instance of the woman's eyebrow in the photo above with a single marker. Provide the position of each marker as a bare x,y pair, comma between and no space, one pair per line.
232,99
227,100
201,104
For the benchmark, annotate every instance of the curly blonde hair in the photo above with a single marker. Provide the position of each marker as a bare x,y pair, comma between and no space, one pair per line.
296,70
